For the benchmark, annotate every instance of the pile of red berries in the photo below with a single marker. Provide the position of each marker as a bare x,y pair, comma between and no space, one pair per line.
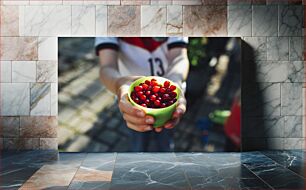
150,94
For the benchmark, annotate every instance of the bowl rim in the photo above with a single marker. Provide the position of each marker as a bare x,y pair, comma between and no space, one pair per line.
178,91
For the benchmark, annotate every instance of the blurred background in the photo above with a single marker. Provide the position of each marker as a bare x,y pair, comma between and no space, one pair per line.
90,121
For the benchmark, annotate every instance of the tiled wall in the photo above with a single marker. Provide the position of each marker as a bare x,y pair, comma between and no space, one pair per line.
273,67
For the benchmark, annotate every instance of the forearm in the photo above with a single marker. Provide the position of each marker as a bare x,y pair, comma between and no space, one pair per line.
109,77
113,80
179,68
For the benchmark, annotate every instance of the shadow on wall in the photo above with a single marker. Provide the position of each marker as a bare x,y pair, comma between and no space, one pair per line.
253,103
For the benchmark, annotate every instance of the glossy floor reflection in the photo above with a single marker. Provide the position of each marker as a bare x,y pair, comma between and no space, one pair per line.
124,171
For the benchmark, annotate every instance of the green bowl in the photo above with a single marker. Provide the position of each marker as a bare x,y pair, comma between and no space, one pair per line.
161,115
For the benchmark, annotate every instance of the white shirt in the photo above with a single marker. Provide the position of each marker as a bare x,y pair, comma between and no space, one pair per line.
141,56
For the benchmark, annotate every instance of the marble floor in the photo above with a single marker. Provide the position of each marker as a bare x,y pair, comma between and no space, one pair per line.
126,171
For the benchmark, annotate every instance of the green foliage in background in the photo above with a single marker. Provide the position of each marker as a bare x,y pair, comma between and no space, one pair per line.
196,50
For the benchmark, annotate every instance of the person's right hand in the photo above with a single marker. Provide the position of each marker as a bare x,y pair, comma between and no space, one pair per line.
135,118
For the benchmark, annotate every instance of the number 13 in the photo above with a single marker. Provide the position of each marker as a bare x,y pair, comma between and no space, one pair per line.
158,61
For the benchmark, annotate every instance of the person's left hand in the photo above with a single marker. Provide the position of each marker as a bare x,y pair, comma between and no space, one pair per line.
177,114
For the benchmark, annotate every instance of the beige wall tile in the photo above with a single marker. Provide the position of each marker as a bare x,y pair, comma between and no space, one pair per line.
21,143
38,126
47,20
46,71
15,2
214,2
10,143
83,20
153,20
5,71
239,2
9,126
101,20
21,20
47,48
205,20
135,2
23,71
175,20
102,2
9,21
40,104
54,99
186,2
18,48
48,143
126,22
73,2
161,2
294,143
46,2
15,99
28,144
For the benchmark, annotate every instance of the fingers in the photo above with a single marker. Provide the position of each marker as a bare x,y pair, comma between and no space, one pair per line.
180,109
158,129
127,108
172,123
135,118
139,128
177,114
138,120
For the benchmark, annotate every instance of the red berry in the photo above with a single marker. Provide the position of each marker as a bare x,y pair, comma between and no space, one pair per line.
145,86
172,87
148,92
133,95
170,103
166,97
147,101
147,82
143,105
162,90
173,94
159,98
153,97
155,89
143,97
163,105
157,103
139,93
136,100
166,84
154,83
138,88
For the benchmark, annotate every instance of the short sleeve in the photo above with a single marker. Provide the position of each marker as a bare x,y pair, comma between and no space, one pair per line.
173,42
106,43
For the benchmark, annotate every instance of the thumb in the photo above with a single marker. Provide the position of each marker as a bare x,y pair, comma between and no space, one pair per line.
123,92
